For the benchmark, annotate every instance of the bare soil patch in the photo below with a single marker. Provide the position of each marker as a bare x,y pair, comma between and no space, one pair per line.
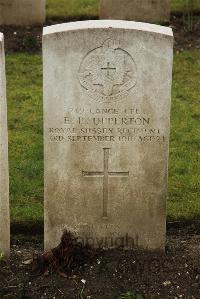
173,274
29,39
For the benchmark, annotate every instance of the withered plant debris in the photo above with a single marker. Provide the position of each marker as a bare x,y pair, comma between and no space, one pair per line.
67,256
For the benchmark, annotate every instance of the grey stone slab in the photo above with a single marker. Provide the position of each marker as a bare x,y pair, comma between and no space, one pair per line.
22,12
136,10
107,93
4,176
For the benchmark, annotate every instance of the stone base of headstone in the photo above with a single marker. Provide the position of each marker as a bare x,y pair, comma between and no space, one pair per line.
22,12
136,10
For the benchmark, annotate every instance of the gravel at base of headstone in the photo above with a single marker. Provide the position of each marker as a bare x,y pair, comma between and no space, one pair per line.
107,94
4,176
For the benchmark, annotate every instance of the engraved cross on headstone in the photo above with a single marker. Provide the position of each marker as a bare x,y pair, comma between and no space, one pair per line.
105,174
108,68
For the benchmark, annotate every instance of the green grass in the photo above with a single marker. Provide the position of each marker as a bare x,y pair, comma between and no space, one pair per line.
184,170
130,295
24,83
72,8
24,92
182,5
90,8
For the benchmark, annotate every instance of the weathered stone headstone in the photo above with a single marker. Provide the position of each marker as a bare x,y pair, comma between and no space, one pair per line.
107,90
22,12
136,10
4,185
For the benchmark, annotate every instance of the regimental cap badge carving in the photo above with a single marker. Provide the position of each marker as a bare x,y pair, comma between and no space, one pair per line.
108,72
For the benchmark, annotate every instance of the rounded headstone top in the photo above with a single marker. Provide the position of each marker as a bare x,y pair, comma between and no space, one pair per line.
112,24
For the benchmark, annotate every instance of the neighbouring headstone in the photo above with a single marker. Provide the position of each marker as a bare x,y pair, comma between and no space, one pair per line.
136,10
4,177
22,12
107,91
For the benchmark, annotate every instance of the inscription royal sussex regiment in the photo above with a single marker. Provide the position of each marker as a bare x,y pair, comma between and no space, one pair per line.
108,72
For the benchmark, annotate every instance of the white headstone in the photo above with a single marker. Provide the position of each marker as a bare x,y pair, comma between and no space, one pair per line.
107,92
22,12
136,10
4,177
